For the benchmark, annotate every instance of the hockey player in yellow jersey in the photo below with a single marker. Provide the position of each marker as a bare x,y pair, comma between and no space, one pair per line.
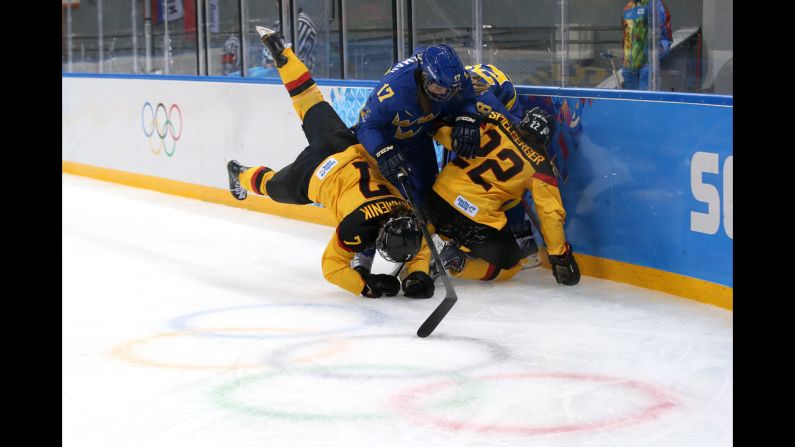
470,196
496,93
335,171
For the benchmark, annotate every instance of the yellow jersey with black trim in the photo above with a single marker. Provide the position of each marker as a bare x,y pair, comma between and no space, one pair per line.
483,187
351,186
347,179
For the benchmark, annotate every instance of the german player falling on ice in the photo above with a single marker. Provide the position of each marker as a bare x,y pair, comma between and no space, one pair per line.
468,201
335,171
496,93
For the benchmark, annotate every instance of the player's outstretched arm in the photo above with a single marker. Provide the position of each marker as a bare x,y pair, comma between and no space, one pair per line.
337,270
552,217
337,267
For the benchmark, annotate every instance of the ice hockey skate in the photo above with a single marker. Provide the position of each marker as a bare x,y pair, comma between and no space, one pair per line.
529,249
274,42
234,169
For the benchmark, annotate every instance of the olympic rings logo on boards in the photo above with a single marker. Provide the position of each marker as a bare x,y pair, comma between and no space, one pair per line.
164,124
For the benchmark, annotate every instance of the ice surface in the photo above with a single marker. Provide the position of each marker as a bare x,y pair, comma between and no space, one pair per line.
188,323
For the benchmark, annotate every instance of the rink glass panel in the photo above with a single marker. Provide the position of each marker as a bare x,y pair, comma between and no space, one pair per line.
562,43
370,38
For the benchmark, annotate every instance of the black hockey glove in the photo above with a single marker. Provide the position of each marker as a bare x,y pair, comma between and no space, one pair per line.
418,285
390,162
377,285
565,268
538,127
466,136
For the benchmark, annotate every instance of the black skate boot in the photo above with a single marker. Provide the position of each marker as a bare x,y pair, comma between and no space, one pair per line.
528,249
234,169
453,258
274,42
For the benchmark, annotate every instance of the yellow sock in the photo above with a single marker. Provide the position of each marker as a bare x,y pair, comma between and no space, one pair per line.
299,83
481,270
254,179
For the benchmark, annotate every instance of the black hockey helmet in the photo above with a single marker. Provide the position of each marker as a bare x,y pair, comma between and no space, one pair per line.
399,239
538,127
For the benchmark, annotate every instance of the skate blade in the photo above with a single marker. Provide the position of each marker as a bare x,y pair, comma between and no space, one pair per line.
263,31
531,262
240,193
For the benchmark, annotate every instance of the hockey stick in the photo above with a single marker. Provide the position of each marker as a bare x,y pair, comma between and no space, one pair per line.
450,297
530,214
397,269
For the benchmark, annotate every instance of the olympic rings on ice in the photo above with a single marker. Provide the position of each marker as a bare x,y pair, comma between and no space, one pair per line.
423,351
242,394
367,317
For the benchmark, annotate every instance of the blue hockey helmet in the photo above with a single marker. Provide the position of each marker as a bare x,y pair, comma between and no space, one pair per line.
442,72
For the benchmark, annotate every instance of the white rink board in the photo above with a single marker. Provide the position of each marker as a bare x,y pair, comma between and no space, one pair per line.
109,122
104,120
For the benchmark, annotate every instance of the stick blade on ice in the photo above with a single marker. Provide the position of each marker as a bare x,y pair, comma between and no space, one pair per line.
436,317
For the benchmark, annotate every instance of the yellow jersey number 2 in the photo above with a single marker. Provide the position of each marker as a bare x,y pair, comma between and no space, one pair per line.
489,164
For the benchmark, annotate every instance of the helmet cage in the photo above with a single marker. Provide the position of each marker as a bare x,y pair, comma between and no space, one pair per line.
399,239
441,71
428,84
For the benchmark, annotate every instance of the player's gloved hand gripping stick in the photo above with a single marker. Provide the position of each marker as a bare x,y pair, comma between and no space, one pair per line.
466,136
390,162
450,297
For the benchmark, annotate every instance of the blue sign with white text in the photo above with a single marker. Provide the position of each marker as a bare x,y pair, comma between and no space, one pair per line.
646,178
647,182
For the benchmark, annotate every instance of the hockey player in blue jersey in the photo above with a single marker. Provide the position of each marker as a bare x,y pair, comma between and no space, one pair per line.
496,92
396,120
397,117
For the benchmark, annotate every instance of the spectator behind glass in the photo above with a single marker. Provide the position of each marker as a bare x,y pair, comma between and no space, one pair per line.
305,36
230,58
636,22
304,48
268,68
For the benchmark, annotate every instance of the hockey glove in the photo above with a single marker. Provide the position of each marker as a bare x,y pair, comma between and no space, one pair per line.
377,285
418,285
565,268
466,136
390,162
538,127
